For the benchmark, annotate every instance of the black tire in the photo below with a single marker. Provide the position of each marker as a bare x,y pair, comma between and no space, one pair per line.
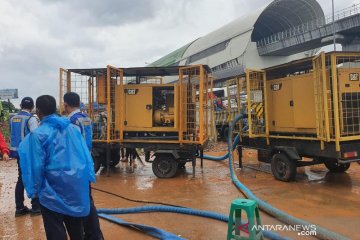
334,166
115,157
164,166
283,168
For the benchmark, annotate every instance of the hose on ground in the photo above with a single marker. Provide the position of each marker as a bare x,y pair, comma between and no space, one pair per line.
187,211
152,231
161,234
322,233
226,156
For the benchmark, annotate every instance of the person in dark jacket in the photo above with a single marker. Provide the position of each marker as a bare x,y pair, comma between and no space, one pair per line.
57,166
21,125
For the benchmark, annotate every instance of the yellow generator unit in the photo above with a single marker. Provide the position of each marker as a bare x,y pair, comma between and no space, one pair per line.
164,110
150,107
307,108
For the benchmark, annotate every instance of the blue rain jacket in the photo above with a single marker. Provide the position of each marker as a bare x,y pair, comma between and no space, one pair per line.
57,167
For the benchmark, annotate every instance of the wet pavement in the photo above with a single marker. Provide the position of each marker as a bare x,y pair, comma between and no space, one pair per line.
328,199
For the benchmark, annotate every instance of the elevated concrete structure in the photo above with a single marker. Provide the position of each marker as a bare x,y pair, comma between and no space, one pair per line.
315,34
254,41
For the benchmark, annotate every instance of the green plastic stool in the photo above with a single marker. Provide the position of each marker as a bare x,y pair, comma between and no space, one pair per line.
252,210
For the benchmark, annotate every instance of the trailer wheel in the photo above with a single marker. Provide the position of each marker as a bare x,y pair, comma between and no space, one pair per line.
283,168
164,166
114,158
334,166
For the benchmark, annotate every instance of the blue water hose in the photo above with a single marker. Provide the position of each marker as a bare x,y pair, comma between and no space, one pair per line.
162,234
189,211
226,156
152,231
322,233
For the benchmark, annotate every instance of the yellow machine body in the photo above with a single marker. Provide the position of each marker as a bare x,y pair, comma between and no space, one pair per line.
134,105
142,114
349,91
291,104
315,99
164,110
302,113
291,101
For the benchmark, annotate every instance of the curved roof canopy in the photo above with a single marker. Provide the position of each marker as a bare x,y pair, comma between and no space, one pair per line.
170,58
272,18
280,15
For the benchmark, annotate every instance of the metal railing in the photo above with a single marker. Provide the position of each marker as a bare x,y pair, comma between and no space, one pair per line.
309,26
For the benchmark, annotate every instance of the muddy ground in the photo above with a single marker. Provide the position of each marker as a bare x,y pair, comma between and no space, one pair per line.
328,199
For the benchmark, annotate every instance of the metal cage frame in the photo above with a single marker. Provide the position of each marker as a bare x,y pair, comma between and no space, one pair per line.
329,104
109,84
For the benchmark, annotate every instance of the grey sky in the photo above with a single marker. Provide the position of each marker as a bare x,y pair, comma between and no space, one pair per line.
39,36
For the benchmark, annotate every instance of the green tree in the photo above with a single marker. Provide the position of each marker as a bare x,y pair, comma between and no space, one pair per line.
9,106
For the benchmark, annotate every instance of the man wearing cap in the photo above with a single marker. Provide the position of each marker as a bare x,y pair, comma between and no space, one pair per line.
72,107
20,125
57,166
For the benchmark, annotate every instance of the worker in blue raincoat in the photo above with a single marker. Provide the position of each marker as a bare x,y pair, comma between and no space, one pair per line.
82,121
57,167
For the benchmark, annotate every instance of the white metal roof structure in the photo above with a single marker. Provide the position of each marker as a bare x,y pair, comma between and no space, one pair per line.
232,48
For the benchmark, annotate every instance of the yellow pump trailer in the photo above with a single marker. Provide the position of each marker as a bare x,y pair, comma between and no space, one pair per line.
135,108
307,108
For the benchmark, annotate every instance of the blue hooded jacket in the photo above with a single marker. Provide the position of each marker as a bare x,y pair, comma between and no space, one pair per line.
57,167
